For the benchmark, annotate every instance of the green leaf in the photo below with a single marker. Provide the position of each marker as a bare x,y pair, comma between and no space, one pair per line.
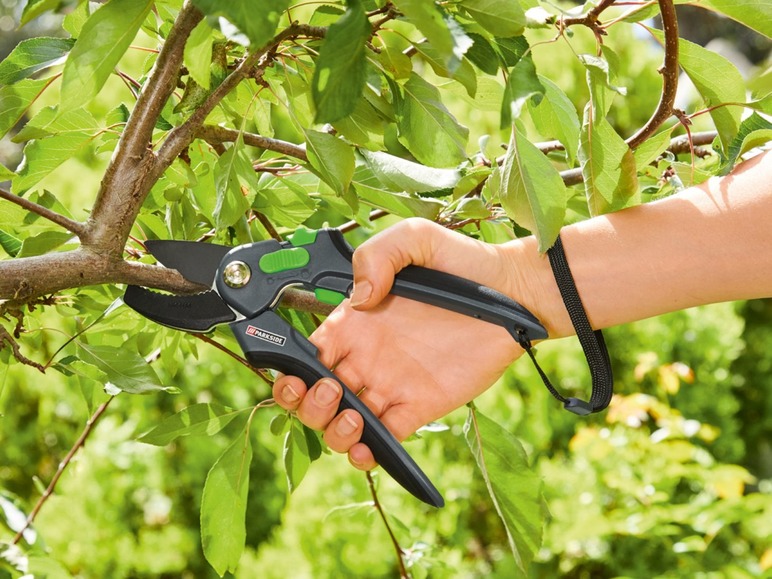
283,202
224,506
197,56
756,15
5,173
235,184
35,8
43,243
511,50
33,55
718,81
106,35
372,192
499,17
426,127
9,243
332,159
648,151
257,20
49,122
514,487
602,90
297,457
464,72
522,84
203,419
608,166
400,174
339,76
555,117
125,369
16,99
442,32
42,156
755,131
532,191
482,54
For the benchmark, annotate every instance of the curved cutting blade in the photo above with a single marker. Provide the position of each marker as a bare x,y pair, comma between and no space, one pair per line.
196,261
196,313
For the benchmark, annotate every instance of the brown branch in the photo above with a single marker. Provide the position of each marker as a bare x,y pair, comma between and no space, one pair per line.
669,72
133,168
215,134
62,467
377,504
22,280
180,137
71,225
8,339
590,20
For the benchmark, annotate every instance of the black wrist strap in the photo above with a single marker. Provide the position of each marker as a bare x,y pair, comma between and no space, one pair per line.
592,342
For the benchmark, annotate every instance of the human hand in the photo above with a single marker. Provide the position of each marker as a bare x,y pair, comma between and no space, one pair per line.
411,363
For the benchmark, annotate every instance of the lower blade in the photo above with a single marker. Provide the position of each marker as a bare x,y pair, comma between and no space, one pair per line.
196,261
195,313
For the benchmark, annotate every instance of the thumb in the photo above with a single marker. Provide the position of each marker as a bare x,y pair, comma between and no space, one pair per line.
381,257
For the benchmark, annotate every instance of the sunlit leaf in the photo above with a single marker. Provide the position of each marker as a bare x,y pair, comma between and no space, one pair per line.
718,81
102,42
235,184
297,456
16,99
427,128
514,487
197,56
257,21
532,191
124,368
224,506
332,159
339,76
442,32
756,15
523,84
500,17
31,56
402,175
195,420
555,117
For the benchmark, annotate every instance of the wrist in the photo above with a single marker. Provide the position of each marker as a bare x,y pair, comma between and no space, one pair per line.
532,284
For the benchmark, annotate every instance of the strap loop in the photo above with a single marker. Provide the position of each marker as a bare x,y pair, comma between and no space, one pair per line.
592,342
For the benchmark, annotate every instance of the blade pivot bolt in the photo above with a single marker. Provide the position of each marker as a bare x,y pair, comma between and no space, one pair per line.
237,274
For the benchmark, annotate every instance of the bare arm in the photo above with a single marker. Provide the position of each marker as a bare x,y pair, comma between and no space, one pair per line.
708,244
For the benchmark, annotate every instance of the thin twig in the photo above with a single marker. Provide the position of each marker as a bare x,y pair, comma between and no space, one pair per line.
669,72
377,504
71,225
62,467
235,356
7,338
352,225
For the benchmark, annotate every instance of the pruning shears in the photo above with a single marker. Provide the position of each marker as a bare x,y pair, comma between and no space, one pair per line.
246,286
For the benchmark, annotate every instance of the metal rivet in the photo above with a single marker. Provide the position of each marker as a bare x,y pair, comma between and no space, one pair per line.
237,274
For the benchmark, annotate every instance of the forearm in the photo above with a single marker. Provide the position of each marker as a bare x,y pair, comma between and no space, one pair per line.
708,244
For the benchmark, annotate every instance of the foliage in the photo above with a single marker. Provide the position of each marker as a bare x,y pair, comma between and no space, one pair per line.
239,121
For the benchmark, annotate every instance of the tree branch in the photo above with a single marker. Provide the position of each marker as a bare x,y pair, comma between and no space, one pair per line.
215,134
131,174
62,467
669,72
71,225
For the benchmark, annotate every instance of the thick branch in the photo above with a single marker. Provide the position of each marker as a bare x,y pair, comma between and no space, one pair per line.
669,76
130,174
71,225
215,134
24,279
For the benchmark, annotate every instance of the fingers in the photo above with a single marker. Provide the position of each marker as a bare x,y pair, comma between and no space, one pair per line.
378,259
317,408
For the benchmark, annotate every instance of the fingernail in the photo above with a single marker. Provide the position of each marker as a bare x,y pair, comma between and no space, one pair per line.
326,392
362,292
345,426
288,394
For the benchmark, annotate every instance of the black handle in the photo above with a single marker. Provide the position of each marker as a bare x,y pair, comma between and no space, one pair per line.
326,264
270,342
